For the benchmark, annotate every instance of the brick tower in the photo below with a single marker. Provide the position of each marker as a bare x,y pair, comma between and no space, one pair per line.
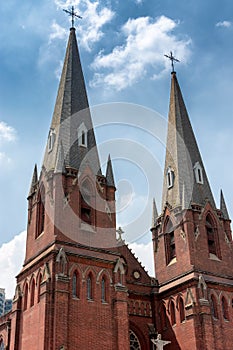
192,245
72,270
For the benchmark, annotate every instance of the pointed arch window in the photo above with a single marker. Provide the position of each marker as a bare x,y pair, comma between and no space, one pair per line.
198,172
82,135
86,199
134,341
170,177
25,299
170,241
181,310
225,311
212,237
89,287
163,317
213,305
40,211
103,290
173,313
51,140
32,293
39,287
75,285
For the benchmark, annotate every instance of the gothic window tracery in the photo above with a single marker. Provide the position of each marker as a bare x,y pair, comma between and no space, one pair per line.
103,290
134,342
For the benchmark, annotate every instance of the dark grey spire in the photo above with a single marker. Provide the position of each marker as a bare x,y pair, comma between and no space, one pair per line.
71,123
34,182
184,169
223,207
154,214
109,173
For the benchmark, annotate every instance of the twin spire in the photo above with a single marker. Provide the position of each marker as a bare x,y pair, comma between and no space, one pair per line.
185,179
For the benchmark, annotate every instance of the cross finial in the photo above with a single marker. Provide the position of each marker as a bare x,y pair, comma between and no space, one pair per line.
72,14
173,59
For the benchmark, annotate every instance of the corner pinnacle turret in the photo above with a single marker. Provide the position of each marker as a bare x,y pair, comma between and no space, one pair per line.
184,169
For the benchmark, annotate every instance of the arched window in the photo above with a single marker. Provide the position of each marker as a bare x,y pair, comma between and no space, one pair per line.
198,172
40,211
86,210
211,236
170,241
170,177
103,290
75,285
51,140
225,312
39,287
163,317
25,299
181,310
32,293
89,287
82,135
134,342
213,305
172,313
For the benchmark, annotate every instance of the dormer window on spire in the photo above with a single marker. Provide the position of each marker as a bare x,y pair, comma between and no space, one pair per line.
170,177
51,140
82,135
198,172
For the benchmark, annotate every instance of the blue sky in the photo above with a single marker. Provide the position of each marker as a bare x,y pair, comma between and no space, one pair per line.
122,44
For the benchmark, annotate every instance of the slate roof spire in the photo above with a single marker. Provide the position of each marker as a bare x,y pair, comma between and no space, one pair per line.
154,214
109,173
71,123
184,168
34,182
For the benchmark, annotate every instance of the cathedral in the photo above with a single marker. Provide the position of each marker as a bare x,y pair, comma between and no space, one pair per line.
80,286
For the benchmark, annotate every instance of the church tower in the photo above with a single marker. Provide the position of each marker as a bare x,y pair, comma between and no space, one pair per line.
192,244
71,290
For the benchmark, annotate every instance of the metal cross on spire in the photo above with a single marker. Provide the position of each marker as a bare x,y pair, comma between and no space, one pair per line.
72,14
173,59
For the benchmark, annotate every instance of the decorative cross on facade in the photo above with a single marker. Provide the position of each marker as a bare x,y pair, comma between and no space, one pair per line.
159,342
72,14
173,59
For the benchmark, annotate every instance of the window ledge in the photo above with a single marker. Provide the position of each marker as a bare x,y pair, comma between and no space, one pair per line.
213,257
173,261
87,227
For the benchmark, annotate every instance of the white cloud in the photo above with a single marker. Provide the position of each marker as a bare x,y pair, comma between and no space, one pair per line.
225,24
95,17
4,158
144,253
57,32
11,260
7,132
146,42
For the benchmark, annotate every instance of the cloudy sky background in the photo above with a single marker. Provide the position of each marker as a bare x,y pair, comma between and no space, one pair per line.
122,46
